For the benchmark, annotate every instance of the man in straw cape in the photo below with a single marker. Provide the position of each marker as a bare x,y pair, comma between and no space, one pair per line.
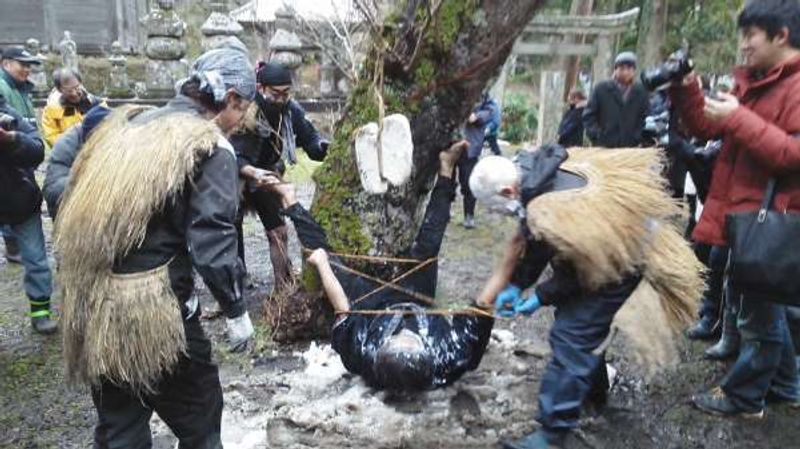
154,194
602,220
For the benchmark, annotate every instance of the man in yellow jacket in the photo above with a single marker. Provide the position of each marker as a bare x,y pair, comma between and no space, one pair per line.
66,105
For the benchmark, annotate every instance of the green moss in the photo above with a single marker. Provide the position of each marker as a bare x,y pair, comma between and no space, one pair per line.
338,181
425,73
449,21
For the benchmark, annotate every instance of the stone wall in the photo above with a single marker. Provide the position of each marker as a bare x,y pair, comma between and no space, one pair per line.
94,23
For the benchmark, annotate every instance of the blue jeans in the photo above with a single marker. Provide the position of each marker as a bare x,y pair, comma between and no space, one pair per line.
712,297
766,362
38,281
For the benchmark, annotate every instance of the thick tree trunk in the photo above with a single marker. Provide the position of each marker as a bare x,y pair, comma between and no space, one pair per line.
437,57
652,32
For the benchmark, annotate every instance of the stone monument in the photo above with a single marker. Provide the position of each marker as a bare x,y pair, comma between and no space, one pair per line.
38,75
285,45
164,50
221,30
69,51
118,84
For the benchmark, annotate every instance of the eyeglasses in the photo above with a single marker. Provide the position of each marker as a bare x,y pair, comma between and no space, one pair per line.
279,93
71,89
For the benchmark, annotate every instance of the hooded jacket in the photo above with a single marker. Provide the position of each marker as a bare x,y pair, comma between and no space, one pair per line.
758,143
57,116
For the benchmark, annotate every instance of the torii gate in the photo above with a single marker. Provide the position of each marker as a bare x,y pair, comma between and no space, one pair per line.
605,30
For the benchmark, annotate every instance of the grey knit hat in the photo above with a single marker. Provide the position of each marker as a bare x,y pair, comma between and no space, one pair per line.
626,58
225,68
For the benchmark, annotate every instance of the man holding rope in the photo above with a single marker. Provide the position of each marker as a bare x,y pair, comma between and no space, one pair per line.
389,335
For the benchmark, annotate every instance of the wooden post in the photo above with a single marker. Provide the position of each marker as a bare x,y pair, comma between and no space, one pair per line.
550,106
603,61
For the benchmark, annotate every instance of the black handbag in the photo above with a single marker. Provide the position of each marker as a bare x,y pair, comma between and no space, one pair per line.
764,260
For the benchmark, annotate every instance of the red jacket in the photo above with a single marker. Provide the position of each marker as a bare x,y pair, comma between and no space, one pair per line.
757,144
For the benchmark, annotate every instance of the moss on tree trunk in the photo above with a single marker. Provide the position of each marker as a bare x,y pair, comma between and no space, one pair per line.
437,58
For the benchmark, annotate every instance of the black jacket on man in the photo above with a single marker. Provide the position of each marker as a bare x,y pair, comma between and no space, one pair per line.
612,121
20,196
570,130
195,228
264,148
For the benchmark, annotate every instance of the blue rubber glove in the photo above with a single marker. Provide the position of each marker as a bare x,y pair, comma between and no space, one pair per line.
527,306
504,303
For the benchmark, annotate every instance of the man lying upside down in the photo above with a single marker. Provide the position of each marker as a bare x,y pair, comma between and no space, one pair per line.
405,348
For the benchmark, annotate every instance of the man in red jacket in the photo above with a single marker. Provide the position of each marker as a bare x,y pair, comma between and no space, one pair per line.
758,125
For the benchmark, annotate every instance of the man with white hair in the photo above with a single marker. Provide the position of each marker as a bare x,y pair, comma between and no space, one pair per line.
577,218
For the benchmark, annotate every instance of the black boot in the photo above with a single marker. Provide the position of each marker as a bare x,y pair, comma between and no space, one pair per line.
728,345
40,317
705,328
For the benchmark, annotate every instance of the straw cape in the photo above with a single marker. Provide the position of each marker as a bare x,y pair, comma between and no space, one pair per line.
620,223
125,328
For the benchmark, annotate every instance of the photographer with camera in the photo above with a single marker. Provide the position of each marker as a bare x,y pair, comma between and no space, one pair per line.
21,151
758,125
614,116
16,87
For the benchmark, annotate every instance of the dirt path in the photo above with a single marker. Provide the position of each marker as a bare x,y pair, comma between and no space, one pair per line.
301,396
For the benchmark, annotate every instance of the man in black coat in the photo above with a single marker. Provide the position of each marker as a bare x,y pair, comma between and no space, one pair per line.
614,117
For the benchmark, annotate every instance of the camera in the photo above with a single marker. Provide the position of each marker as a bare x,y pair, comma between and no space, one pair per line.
8,122
677,66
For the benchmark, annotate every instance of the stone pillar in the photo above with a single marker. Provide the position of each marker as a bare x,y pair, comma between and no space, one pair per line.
164,50
38,74
551,106
118,85
603,60
285,47
285,44
221,30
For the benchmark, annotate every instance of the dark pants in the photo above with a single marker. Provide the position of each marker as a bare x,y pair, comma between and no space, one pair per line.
710,307
575,372
267,205
189,401
766,360
492,140
465,166
426,245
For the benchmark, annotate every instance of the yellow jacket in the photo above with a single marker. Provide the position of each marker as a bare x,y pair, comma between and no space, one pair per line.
56,118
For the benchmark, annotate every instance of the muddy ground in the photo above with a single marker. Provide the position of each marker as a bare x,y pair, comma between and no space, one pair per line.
301,397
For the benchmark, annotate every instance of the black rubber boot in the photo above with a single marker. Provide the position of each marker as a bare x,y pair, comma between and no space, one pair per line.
728,345
705,328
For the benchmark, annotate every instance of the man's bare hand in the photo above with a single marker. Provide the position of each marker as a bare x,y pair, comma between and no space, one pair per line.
472,118
721,109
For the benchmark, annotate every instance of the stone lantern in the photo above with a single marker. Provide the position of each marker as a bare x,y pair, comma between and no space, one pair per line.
165,50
